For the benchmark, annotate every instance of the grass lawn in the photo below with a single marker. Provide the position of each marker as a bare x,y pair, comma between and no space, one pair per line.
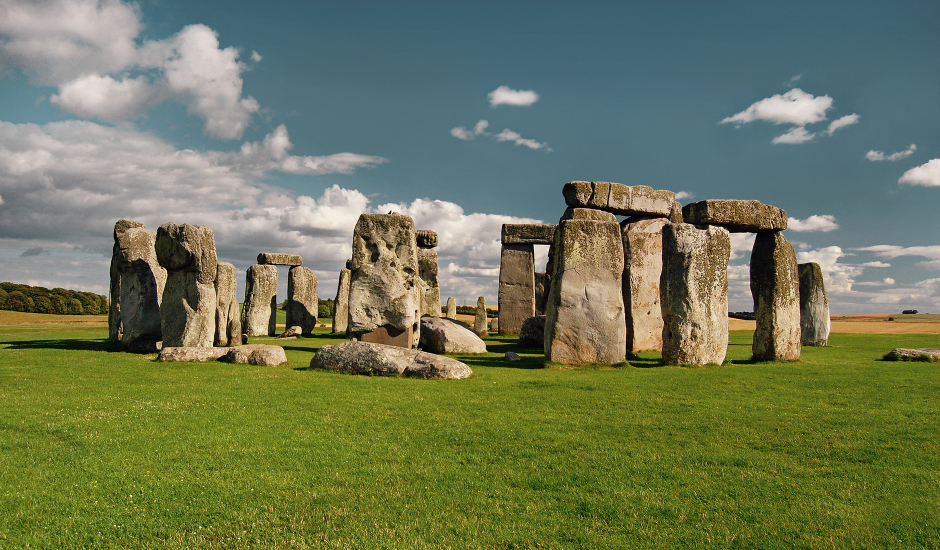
104,449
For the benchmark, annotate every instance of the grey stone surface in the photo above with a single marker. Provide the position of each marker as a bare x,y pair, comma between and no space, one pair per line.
694,294
383,360
619,199
775,287
426,238
516,298
384,292
584,315
512,356
737,216
451,308
271,258
494,325
187,310
532,334
256,354
226,309
302,300
430,285
930,355
543,283
814,306
442,335
137,284
527,233
480,323
341,303
642,269
187,354
260,306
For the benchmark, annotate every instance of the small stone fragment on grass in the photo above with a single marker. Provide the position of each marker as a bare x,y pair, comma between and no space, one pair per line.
512,356
906,354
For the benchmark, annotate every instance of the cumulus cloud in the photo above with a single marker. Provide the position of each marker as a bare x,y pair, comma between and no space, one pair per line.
927,175
255,56
681,195
103,97
824,223
742,244
515,137
794,136
875,156
466,135
794,107
504,95
847,120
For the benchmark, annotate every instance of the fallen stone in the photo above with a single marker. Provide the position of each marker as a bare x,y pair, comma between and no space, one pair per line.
269,258
226,310
480,325
516,298
260,308
694,294
442,335
532,334
341,303
291,333
642,269
737,216
302,300
512,356
188,354
906,354
814,306
527,233
137,285
256,354
451,308
619,199
383,360
775,287
426,238
431,287
187,310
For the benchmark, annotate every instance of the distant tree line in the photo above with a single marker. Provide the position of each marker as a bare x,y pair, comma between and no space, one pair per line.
746,315
472,310
324,308
37,299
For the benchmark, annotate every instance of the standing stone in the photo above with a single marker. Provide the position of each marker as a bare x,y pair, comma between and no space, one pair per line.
516,299
226,310
341,303
259,313
137,284
430,286
384,291
451,308
543,283
479,322
302,299
775,286
584,316
187,312
494,325
814,306
694,294
642,269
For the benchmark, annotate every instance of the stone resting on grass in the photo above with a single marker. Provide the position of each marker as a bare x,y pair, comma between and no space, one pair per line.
443,335
905,354
383,360
255,354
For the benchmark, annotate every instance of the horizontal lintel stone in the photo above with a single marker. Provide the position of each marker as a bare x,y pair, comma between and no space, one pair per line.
528,233
270,258
619,199
737,216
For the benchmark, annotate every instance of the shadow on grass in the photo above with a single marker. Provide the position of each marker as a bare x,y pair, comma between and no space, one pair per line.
70,345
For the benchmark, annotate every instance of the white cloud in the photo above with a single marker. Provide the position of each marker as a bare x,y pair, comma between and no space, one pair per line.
504,95
742,244
515,137
255,56
893,251
795,135
927,174
793,80
876,264
794,107
838,277
873,155
888,281
847,120
824,223
684,195
102,97
466,135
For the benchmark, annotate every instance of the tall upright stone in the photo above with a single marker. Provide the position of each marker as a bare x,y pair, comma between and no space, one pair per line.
302,300
814,306
584,320
227,316
451,308
775,287
516,298
430,285
187,312
480,324
137,284
384,291
341,303
259,312
694,294
642,269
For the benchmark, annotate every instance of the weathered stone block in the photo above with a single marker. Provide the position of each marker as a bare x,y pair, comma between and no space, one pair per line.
572,213
302,300
186,247
527,233
137,283
480,324
260,308
642,269
382,360
775,287
341,303
737,216
441,335
187,311
430,286
619,199
451,309
426,238
814,306
516,297
270,258
225,285
694,294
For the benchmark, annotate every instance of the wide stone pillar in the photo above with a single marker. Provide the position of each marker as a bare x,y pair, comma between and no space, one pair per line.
642,269
775,287
259,312
227,317
137,284
341,303
814,306
584,320
187,311
302,300
694,294
516,298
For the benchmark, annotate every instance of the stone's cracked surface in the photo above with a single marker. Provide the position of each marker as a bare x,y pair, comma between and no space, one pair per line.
694,294
737,216
527,233
775,286
187,310
260,308
426,238
227,316
430,285
302,300
137,285
383,360
815,322
619,199
642,269
442,335
341,303
516,298
271,258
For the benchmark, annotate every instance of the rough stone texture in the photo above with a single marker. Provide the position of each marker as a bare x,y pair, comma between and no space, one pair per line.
256,354
694,294
543,283
736,216
137,284
341,303
775,287
260,307
226,309
930,355
426,238
430,286
383,360
532,334
572,213
441,335
187,311
494,325
584,315
270,258
814,306
675,215
384,291
451,308
302,300
516,298
642,269
619,199
480,324
527,233
177,354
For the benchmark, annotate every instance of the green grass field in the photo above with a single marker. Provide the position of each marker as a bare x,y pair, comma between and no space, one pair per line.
104,449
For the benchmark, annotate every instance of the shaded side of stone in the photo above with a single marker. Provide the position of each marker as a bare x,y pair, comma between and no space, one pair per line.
271,258
737,216
527,233
532,334
516,298
775,287
814,306
642,270
619,199
430,285
302,300
341,303
225,285
426,238
138,280
543,284
115,329
260,306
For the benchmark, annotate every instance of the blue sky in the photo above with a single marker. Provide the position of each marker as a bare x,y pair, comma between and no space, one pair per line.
278,125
